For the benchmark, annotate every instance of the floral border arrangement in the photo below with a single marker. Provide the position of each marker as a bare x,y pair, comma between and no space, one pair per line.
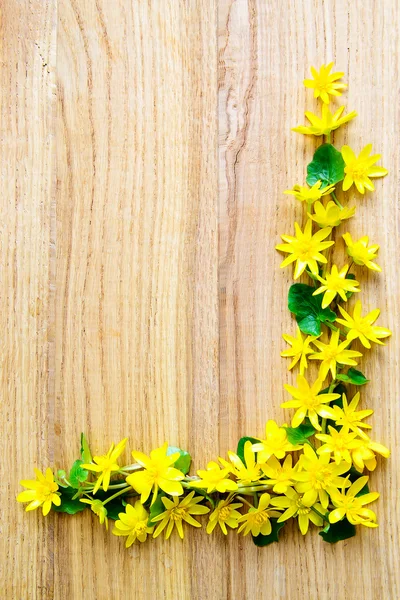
314,469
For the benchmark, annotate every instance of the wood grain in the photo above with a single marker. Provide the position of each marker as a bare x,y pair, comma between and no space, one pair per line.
145,148
266,49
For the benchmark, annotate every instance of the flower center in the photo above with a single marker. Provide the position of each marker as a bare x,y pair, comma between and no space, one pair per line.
177,514
141,527
301,509
261,518
224,513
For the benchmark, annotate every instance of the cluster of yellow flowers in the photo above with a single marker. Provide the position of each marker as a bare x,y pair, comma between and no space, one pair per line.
313,470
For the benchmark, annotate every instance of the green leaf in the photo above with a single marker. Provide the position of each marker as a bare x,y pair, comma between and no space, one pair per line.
77,475
240,447
336,532
353,376
68,505
308,309
114,508
156,509
300,434
264,540
184,460
85,452
326,166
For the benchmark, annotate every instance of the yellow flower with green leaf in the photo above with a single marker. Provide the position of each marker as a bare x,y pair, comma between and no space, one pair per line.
349,417
333,354
279,475
330,215
349,505
309,402
339,443
335,283
275,443
361,253
98,508
360,169
310,194
246,472
214,478
363,328
364,454
225,515
317,477
105,465
133,524
292,502
177,513
300,347
257,520
41,491
325,83
326,123
158,474
305,248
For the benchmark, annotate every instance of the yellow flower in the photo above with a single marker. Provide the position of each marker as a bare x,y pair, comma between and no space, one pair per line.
324,83
299,350
105,465
257,520
364,454
309,402
339,443
279,476
335,283
176,512
349,417
247,471
360,253
352,507
318,476
310,195
41,491
98,508
275,443
330,215
133,524
363,327
215,478
305,248
359,169
295,508
158,473
224,515
332,354
325,124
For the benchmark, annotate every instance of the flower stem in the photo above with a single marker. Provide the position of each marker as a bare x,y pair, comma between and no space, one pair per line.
253,488
245,501
128,487
323,517
336,200
330,390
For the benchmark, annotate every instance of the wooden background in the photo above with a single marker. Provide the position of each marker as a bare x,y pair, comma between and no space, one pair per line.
145,145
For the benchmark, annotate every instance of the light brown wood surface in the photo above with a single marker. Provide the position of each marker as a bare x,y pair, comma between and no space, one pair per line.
144,149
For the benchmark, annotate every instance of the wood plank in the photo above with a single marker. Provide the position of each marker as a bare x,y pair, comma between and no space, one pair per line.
265,50
27,103
137,295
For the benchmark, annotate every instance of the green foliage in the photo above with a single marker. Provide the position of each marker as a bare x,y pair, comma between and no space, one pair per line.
184,460
114,508
77,475
241,443
85,452
326,166
156,509
265,540
68,504
336,532
308,309
353,376
300,434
